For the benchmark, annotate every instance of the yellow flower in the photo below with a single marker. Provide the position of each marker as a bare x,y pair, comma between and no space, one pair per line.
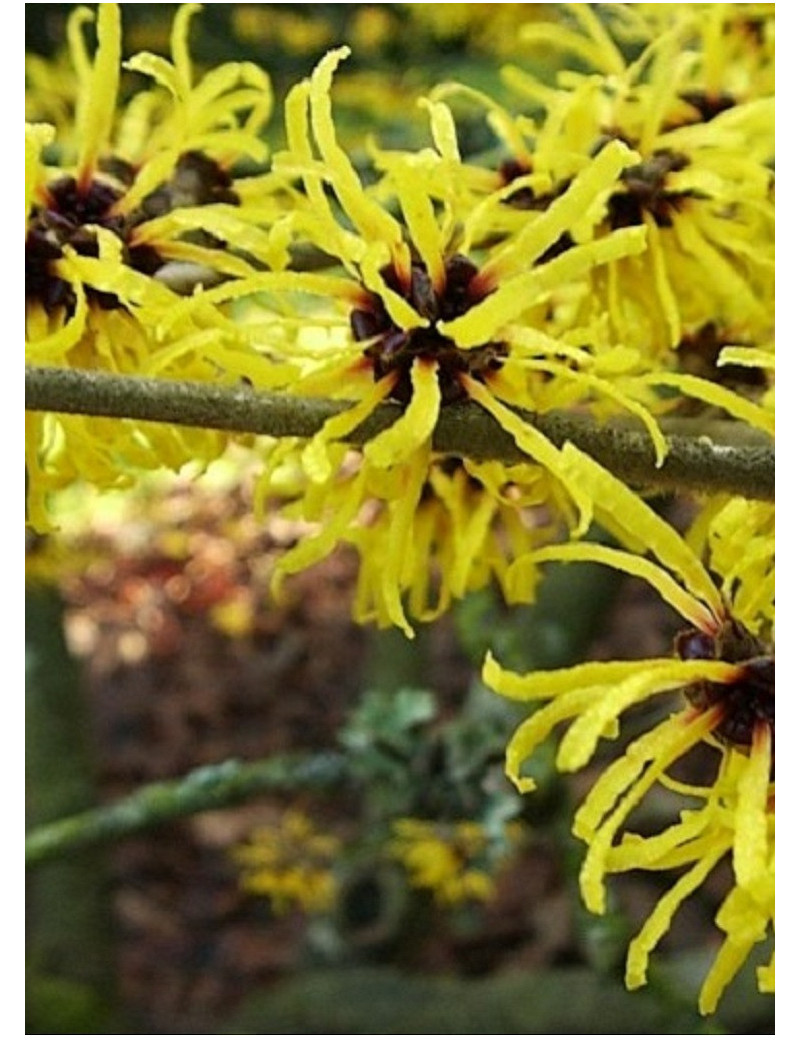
138,210
701,190
427,533
724,664
291,863
426,318
734,44
451,860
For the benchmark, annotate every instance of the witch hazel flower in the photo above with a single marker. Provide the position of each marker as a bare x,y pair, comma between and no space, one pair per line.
724,665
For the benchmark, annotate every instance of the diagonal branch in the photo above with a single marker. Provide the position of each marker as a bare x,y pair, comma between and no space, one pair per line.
703,455
208,787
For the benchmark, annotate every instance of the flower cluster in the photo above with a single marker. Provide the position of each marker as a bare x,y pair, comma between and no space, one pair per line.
291,863
452,861
613,260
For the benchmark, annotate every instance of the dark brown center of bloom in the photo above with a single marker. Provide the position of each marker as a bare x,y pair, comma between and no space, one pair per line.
64,221
525,198
393,350
698,353
72,210
645,191
708,105
748,702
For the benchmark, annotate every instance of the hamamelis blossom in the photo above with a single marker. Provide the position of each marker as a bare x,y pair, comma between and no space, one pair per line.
701,190
137,210
454,861
291,863
724,663
426,533
426,319
414,320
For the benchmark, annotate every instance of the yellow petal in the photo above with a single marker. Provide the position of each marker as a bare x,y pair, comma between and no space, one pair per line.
421,222
544,229
580,741
632,515
659,921
372,221
750,846
670,591
415,425
518,293
93,126
620,789
315,454
533,443
693,386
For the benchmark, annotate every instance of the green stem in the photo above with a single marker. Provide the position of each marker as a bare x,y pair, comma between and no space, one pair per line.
712,456
209,787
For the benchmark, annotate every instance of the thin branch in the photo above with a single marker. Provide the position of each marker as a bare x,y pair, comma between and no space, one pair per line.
209,787
703,456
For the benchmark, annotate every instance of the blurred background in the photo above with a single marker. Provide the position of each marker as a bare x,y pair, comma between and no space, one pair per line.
400,885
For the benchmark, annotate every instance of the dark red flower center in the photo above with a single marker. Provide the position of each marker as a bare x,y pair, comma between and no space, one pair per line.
645,191
71,211
748,702
393,350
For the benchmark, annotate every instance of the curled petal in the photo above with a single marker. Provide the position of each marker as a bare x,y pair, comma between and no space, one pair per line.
415,425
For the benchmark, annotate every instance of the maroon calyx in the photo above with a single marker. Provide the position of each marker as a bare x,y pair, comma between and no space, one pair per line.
708,105
71,211
747,702
392,350
646,191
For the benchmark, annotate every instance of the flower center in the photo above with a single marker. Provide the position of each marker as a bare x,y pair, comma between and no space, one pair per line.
60,222
72,210
392,350
708,105
646,191
698,352
749,701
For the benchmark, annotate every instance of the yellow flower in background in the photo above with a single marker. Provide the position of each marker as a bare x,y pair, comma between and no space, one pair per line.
146,202
292,863
492,28
701,190
724,664
451,860
734,45
281,27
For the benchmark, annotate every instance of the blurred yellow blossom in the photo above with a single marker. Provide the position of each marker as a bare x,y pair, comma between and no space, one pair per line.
292,863
451,860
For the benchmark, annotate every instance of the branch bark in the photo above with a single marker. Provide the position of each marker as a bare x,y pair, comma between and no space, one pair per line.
703,455
209,787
